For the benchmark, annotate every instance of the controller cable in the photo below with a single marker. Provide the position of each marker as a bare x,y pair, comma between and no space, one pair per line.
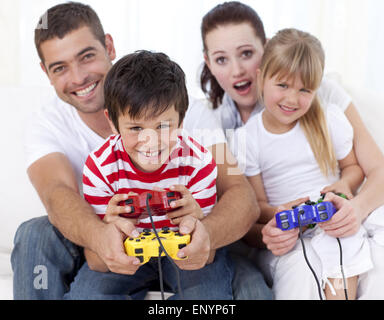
306,258
149,196
310,267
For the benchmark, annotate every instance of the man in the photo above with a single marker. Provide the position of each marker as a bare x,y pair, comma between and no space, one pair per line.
76,55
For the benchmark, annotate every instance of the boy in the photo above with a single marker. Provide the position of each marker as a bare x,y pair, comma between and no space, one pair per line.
146,101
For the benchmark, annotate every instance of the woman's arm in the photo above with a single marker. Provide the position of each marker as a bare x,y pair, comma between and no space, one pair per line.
371,161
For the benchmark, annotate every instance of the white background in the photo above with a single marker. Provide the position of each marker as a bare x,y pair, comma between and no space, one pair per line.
351,32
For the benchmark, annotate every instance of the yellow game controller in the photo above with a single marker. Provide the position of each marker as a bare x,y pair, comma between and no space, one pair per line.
147,246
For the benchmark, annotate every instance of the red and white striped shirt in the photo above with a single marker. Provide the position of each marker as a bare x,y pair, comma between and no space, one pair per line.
109,171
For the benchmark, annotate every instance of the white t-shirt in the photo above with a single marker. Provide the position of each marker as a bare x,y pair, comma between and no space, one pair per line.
57,127
286,162
330,92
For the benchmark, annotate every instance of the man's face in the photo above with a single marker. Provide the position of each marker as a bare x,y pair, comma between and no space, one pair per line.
76,66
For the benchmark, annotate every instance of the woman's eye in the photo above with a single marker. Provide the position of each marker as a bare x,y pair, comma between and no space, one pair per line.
221,60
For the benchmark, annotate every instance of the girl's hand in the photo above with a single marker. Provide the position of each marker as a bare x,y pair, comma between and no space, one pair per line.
339,187
187,206
345,222
278,241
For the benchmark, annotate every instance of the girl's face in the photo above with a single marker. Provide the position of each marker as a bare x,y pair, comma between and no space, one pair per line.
285,100
233,56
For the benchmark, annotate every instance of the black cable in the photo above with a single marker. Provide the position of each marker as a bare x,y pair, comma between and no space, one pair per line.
306,258
342,269
149,196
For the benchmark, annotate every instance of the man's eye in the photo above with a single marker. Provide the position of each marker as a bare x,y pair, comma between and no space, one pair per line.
88,56
58,69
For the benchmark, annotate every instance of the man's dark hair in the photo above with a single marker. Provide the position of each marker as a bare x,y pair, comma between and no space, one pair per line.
64,18
145,84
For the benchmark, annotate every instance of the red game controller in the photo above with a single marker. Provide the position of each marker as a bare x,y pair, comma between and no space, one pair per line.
159,203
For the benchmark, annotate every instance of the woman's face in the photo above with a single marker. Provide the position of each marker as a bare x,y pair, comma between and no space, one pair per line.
233,56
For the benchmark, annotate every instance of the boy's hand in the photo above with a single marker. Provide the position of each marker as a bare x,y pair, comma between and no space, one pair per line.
114,210
345,222
199,249
187,205
339,187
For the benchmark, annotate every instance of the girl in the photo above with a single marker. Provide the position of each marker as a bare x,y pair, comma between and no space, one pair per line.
233,41
295,148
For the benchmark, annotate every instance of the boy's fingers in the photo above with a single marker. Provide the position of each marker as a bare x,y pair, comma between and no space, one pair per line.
180,188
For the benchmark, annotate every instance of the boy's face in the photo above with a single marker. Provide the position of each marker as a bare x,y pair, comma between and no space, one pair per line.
76,66
149,142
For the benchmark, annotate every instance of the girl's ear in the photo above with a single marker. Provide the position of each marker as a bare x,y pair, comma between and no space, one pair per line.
113,128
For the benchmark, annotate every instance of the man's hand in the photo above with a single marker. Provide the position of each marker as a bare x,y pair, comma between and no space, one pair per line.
187,206
198,250
345,222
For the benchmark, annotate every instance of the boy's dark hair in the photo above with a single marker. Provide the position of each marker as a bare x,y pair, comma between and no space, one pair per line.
145,84
232,12
64,18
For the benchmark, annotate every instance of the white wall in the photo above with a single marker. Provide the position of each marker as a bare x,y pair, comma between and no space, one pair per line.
350,30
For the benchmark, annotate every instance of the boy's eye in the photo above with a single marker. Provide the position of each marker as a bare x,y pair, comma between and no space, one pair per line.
164,126
136,129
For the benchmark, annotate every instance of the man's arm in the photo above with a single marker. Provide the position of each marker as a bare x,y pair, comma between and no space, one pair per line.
55,182
237,209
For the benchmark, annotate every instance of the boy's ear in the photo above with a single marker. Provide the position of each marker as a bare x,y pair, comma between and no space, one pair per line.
113,128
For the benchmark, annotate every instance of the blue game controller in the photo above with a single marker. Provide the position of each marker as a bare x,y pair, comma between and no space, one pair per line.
309,213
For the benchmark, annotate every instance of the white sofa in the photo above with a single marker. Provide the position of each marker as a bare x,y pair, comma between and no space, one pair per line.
19,201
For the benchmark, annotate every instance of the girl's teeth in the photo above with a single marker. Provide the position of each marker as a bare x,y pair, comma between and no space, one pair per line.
85,91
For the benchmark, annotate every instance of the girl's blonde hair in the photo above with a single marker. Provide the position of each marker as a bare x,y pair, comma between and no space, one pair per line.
292,53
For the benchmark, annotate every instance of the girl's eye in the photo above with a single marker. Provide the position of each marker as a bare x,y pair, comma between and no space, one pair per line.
283,85
247,53
305,90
